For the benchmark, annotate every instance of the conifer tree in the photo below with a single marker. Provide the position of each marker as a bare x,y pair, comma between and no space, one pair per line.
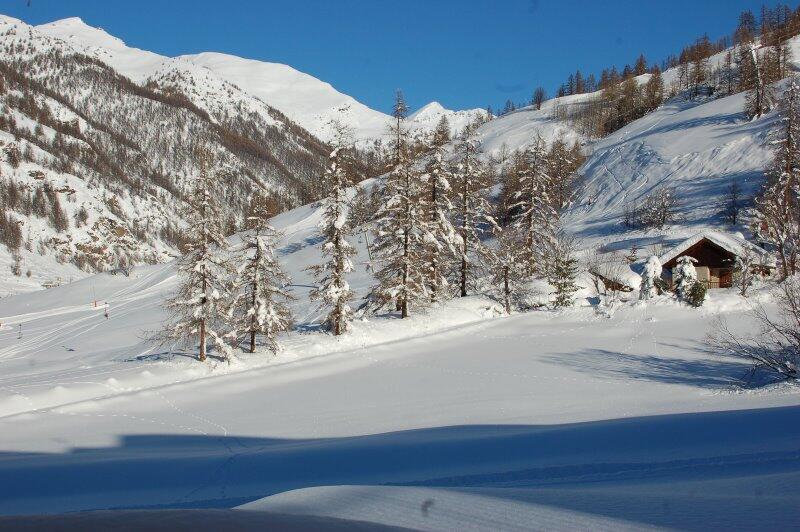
561,166
333,289
200,307
641,66
562,270
778,205
580,83
654,90
510,271
534,214
13,155
472,209
400,239
261,307
441,238
684,276
650,278
756,79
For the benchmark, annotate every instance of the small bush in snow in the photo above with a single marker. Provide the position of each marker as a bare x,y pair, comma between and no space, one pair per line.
775,347
650,278
743,271
696,295
685,277
562,271
657,210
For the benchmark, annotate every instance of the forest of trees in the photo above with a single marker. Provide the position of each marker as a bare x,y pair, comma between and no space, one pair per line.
760,58
438,232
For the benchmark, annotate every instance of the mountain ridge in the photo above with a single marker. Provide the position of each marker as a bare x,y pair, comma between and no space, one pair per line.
276,84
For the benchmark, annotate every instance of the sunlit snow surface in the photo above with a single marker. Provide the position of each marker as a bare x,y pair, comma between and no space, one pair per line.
552,417
459,418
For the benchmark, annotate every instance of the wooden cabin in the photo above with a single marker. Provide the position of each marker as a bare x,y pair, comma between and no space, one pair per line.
715,254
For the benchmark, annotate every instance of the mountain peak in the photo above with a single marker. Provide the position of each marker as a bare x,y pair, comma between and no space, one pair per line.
432,109
69,21
76,30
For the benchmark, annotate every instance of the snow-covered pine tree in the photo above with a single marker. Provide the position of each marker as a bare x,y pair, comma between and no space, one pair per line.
510,271
261,307
534,213
333,290
650,278
400,239
440,237
777,211
744,271
562,270
200,307
684,276
472,210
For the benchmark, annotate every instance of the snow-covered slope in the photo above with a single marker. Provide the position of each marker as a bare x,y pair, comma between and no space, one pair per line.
118,154
306,100
518,129
133,63
699,149
312,103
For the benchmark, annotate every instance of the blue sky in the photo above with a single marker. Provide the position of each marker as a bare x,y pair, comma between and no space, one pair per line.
463,53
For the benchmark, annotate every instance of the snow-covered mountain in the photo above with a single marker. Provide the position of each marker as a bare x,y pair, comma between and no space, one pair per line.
98,156
698,147
306,100
115,126
310,102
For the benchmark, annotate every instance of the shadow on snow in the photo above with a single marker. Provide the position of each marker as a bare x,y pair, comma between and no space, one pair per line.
174,471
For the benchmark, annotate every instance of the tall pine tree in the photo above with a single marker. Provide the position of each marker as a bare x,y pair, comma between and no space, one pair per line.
511,273
400,239
471,179
200,307
440,237
333,289
261,305
533,207
778,205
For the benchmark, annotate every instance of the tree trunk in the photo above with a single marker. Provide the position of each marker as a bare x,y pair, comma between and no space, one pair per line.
203,320
464,271
202,339
506,289
406,231
434,264
253,323
464,229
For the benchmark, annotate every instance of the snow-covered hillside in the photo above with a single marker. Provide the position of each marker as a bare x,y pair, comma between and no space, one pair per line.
699,149
570,418
518,129
89,156
306,100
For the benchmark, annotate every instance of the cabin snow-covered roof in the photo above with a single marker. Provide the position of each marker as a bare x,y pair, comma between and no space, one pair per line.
734,244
